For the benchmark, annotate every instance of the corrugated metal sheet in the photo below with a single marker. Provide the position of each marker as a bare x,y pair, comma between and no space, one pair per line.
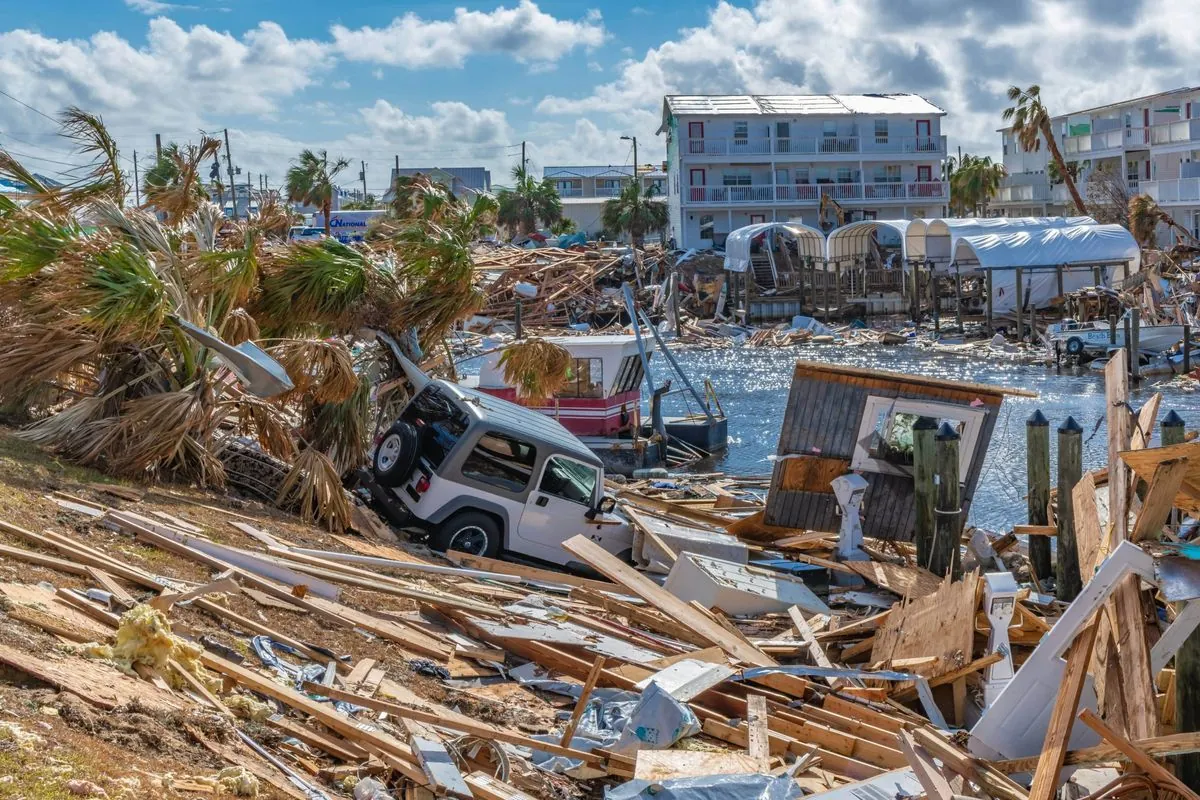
801,104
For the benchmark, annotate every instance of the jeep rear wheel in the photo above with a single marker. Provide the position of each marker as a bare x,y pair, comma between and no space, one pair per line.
396,454
472,532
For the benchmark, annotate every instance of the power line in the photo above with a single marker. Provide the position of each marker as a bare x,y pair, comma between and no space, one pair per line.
31,108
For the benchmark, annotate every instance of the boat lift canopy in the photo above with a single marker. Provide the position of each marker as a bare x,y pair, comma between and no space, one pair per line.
810,242
853,241
935,240
1040,253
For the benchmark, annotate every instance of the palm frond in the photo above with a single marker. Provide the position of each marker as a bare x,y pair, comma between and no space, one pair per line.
537,368
321,368
92,138
316,487
31,353
313,282
341,429
239,326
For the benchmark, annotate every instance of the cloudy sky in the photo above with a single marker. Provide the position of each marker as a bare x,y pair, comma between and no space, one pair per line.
442,86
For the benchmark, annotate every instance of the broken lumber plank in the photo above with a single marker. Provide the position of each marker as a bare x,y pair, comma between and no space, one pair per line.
223,585
585,695
358,673
612,567
461,725
486,787
757,738
1158,747
197,686
979,772
109,584
779,744
932,780
646,618
1160,499
815,651
529,573
1035,530
1155,770
43,560
1058,730
910,694
439,766
659,765
85,606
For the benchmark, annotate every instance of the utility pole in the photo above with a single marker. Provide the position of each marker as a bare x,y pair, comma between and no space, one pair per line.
363,174
137,189
635,161
232,182
522,155
157,147
249,193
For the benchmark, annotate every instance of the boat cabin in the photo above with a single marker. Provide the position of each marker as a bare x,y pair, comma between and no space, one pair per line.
604,392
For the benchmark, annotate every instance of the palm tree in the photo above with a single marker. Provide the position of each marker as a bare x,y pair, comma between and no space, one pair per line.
310,181
1144,216
174,185
974,181
635,211
1030,125
529,201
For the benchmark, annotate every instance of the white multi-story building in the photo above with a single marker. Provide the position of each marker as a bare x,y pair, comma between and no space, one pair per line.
585,190
1152,143
733,160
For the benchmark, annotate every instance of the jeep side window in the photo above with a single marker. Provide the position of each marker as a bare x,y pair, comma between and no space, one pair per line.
439,423
569,480
502,461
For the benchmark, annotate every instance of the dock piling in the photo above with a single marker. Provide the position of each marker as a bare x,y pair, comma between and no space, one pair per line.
1070,470
1020,309
1135,349
924,465
517,320
988,279
1037,483
945,557
1112,330
1187,349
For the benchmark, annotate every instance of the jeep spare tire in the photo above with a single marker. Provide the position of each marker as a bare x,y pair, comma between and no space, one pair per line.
473,532
396,454
1075,346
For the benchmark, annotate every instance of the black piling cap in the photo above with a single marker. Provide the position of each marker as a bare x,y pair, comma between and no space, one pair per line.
946,433
1171,420
1070,426
1037,420
930,424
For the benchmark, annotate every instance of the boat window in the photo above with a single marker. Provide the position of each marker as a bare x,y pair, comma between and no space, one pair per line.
585,378
439,423
630,374
500,460
885,439
570,480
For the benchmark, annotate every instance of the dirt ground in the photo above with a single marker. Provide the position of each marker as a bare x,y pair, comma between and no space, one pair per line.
128,751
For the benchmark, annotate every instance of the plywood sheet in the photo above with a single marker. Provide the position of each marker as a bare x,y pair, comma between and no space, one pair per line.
659,765
811,473
905,581
941,624
97,682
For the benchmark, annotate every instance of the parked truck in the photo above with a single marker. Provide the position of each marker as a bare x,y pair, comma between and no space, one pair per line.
348,226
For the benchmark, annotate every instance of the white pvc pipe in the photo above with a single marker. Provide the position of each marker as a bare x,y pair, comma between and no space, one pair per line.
391,563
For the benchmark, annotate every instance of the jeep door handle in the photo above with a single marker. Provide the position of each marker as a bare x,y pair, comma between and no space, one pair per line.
541,501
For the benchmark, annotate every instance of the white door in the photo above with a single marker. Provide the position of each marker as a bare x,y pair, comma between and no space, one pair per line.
556,507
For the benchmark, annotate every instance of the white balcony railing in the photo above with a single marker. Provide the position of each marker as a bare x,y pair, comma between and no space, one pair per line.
811,193
1024,194
608,191
1094,142
1187,130
1178,190
934,146
571,192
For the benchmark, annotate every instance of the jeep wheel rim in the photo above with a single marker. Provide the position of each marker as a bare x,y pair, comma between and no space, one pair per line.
472,540
389,451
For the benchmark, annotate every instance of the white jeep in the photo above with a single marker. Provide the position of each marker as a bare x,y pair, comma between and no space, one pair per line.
483,476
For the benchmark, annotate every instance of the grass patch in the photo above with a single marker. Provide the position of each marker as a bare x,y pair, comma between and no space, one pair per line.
33,778
148,554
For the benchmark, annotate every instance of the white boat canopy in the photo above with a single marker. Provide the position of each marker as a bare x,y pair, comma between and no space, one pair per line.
1039,252
853,241
810,242
936,239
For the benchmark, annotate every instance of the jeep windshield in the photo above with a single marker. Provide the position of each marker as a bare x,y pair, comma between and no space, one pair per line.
439,423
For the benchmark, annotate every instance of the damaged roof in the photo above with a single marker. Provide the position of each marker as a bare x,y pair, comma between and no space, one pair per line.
800,104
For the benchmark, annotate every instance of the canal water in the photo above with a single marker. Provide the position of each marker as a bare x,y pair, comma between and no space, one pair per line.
753,383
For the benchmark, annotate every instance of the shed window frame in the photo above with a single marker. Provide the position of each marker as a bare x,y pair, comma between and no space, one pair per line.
882,412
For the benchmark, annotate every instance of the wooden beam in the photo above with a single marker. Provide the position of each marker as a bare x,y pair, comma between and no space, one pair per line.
935,784
582,703
646,618
1058,731
620,572
757,738
342,749
1152,768
1158,747
1160,499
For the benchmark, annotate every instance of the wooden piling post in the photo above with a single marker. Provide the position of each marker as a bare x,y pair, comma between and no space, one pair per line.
945,557
924,466
1070,470
990,329
1037,483
1187,349
1128,342
1112,330
674,304
837,285
935,300
1020,310
1058,276
517,320
1187,658
1135,344
958,298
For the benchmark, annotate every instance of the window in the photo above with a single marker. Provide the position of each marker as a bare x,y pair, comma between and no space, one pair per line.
783,130
801,174
439,423
845,175
630,373
569,479
609,183
881,131
585,378
736,179
822,174
1005,148
885,440
501,461
741,131
758,219
829,129
567,186
887,173
706,226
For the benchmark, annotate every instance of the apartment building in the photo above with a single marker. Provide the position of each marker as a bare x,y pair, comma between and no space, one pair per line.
734,160
1151,143
462,181
584,191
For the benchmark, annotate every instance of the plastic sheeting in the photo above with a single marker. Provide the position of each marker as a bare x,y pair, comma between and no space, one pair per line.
852,240
936,239
810,242
711,787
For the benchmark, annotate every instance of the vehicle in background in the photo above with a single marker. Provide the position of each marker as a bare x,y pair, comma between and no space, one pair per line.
484,476
305,233
349,226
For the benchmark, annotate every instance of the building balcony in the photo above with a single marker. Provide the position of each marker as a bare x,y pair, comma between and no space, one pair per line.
1028,193
573,192
1185,131
1178,190
1091,143
811,193
931,146
607,192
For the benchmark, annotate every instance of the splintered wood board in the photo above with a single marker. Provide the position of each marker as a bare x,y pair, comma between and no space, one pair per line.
941,624
1145,462
660,765
366,548
95,681
909,582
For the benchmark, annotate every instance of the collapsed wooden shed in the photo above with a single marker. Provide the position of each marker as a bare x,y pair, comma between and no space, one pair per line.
846,419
